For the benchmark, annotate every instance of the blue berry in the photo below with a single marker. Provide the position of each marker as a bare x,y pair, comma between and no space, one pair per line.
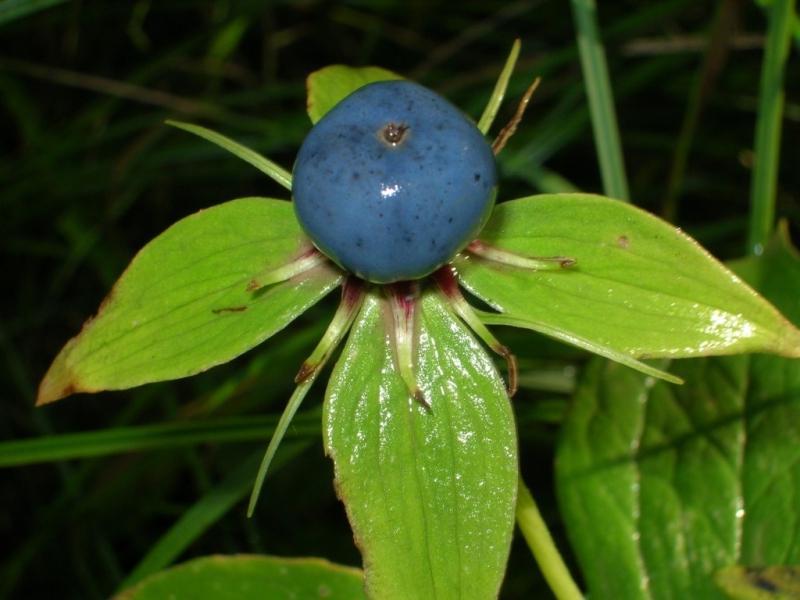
393,181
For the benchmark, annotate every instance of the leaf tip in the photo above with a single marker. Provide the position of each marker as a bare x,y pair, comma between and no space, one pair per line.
58,383
176,124
419,396
789,343
669,377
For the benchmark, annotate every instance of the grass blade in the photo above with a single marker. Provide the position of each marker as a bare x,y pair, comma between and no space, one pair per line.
71,446
601,101
768,125
543,547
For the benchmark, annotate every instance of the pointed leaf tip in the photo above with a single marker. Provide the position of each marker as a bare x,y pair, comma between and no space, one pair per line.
56,385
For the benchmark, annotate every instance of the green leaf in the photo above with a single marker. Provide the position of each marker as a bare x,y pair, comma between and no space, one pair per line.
661,486
640,287
182,306
330,85
246,577
430,493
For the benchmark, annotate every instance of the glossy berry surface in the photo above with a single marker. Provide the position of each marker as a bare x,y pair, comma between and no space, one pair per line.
393,181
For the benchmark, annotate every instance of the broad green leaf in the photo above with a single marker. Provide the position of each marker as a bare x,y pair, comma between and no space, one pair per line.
251,577
661,486
430,493
640,286
182,306
330,85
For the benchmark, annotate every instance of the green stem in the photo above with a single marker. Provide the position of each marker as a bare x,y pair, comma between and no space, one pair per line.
768,126
543,547
601,100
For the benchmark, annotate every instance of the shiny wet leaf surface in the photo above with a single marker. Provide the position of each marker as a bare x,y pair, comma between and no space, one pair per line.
430,493
640,286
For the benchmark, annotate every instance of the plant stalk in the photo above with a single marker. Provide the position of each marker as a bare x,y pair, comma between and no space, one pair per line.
601,100
544,548
768,126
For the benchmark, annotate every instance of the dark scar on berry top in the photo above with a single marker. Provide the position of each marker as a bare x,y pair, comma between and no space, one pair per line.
394,133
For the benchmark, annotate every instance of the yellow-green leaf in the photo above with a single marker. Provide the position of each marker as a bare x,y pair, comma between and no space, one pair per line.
332,84
640,286
251,577
182,306
430,493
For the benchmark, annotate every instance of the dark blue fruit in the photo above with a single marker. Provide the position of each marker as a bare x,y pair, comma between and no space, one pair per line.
393,182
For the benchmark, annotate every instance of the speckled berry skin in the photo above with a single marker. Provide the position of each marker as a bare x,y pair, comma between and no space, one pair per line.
393,181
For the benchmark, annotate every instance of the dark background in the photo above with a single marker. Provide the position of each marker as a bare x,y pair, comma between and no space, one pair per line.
89,173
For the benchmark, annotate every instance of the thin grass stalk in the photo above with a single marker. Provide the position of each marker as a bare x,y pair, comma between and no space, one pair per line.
716,55
601,100
544,548
763,185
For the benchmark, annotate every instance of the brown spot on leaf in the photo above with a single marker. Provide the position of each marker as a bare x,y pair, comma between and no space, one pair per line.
229,309
623,242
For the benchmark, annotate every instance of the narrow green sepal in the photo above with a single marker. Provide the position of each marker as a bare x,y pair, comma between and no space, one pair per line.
352,296
263,164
